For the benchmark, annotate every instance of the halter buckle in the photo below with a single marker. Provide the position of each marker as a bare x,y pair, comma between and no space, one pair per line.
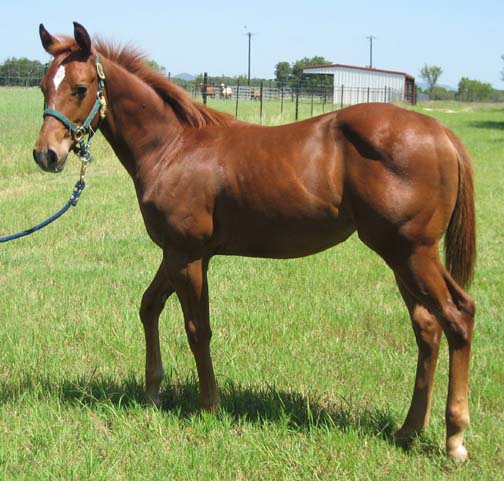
99,70
78,134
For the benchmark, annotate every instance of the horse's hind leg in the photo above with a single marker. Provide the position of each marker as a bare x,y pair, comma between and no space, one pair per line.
432,286
153,302
428,335
189,277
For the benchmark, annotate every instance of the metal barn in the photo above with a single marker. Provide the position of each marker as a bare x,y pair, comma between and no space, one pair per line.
355,85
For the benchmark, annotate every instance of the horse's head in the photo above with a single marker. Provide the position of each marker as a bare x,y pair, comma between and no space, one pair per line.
73,93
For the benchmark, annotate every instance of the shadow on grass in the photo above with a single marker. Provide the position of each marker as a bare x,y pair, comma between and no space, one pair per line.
487,124
299,412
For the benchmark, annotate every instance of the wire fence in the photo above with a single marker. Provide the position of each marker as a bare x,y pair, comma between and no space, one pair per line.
303,99
21,77
259,103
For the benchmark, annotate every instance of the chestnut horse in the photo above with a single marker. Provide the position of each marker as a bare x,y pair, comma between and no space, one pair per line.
208,184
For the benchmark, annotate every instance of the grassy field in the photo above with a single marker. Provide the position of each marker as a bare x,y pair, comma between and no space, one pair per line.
315,357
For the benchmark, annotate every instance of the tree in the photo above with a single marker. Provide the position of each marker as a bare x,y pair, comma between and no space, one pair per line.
155,66
431,74
293,75
441,93
474,90
282,72
299,65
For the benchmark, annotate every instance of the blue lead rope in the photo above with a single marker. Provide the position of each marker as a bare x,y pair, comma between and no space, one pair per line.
79,187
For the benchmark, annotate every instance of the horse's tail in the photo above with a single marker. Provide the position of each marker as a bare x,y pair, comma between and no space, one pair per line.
460,237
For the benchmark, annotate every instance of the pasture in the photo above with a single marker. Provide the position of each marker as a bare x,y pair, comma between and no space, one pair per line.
315,357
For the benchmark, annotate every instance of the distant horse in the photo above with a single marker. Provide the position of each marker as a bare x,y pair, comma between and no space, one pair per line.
226,92
207,91
255,94
208,184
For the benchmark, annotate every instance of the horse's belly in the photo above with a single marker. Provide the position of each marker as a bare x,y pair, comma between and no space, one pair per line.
282,239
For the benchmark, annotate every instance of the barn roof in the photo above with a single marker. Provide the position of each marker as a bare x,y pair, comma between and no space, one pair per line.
366,69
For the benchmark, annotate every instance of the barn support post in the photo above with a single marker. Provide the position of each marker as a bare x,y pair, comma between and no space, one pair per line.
205,85
237,98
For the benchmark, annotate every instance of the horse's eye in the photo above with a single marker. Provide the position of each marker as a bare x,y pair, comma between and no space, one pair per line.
80,91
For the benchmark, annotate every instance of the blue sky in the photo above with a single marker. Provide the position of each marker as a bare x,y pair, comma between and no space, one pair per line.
465,38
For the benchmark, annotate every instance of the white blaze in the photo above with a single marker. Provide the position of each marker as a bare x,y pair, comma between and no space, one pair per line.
58,78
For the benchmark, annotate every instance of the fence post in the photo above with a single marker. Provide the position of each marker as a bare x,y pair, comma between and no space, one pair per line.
237,98
342,91
281,99
368,95
261,106
297,101
312,94
205,85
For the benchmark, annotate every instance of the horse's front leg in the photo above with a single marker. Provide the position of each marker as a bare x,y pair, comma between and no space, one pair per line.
189,278
153,302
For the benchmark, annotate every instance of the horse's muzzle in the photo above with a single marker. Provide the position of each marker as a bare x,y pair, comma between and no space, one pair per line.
48,160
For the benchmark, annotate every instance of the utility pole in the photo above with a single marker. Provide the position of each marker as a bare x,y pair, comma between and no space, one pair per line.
249,34
371,38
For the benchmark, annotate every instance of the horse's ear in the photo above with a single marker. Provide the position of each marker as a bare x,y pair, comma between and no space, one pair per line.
48,41
82,37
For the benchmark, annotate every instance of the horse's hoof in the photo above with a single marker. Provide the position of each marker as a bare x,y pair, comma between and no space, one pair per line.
404,438
211,407
458,454
152,401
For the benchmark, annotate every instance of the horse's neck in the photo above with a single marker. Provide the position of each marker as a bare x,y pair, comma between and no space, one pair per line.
138,122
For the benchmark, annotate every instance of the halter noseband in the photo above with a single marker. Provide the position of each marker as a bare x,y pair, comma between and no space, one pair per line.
78,132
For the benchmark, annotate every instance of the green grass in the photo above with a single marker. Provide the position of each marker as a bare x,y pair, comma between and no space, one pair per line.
315,357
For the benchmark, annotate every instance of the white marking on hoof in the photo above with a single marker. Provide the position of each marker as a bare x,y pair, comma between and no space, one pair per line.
458,454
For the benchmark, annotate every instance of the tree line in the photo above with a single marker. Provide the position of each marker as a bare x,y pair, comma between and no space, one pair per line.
21,72
24,72
286,75
468,90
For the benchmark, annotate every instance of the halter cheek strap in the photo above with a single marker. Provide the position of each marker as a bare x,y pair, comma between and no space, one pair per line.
78,132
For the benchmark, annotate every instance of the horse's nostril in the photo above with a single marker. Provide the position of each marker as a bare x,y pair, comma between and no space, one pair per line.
46,160
38,156
52,158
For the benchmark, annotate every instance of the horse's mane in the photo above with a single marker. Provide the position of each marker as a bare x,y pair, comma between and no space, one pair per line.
190,113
